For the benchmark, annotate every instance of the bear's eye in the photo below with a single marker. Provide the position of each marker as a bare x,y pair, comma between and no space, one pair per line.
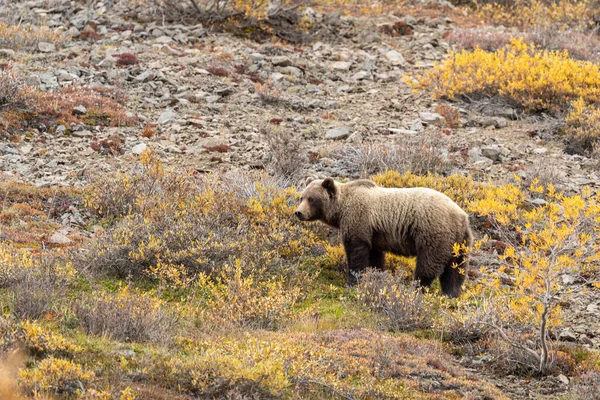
310,200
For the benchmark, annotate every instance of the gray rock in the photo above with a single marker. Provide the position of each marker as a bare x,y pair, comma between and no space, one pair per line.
538,202
7,53
568,279
9,150
432,118
275,76
79,110
474,153
59,238
370,64
224,92
60,129
567,336
49,79
139,148
540,150
491,152
145,76
108,61
417,126
402,131
46,47
584,181
297,72
496,122
256,57
167,116
163,40
359,76
337,133
395,57
26,149
563,379
281,61
341,66
82,133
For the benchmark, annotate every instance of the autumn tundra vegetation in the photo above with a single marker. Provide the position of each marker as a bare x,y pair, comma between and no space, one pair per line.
182,283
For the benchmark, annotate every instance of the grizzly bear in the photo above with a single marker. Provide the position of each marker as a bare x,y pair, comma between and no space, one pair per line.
409,222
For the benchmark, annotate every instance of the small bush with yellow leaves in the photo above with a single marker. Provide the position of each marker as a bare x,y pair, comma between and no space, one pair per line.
582,128
55,376
194,225
248,299
536,80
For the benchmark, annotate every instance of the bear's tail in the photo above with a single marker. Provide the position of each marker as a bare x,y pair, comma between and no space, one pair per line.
455,271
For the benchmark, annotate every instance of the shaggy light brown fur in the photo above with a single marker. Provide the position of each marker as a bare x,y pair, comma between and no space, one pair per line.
372,220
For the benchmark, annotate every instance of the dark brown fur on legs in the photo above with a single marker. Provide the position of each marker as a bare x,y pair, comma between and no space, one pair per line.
376,258
453,276
357,255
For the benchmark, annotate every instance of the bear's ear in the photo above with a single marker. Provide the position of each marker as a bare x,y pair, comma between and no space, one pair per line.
329,185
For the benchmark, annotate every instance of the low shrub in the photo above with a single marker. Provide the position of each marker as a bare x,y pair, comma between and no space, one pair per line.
241,297
53,376
42,342
34,282
582,128
286,157
425,153
19,36
335,364
586,386
197,225
534,13
405,306
125,316
579,45
536,80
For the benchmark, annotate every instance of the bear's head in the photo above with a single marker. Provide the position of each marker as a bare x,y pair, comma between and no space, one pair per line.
317,200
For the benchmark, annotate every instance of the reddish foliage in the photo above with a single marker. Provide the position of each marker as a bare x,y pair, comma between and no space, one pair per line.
398,29
256,79
276,121
240,68
218,71
451,115
89,32
149,130
111,146
220,148
125,59
103,107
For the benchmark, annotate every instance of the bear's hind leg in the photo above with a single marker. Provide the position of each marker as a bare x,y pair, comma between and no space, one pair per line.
357,255
376,258
453,277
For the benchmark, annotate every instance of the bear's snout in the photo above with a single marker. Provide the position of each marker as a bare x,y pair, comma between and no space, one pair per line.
299,215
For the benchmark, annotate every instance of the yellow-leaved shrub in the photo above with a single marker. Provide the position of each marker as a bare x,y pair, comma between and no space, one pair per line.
536,80
55,376
525,14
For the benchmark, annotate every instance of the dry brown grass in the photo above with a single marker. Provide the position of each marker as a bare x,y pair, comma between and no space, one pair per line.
404,306
126,316
424,153
286,158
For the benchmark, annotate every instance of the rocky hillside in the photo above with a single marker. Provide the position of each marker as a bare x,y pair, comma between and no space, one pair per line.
149,163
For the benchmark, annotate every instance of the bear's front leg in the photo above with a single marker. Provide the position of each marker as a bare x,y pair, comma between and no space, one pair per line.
357,255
